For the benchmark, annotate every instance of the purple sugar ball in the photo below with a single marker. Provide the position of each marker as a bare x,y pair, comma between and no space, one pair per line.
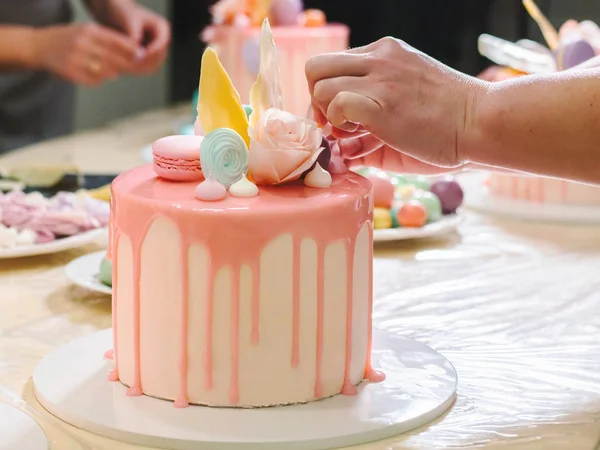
251,56
573,54
286,12
324,158
450,194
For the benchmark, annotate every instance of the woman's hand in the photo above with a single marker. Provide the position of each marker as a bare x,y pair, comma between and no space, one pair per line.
403,98
87,54
368,151
149,30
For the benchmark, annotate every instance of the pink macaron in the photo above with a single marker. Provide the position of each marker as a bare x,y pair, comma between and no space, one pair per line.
177,158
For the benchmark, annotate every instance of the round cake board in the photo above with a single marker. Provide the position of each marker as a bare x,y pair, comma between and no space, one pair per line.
19,431
72,383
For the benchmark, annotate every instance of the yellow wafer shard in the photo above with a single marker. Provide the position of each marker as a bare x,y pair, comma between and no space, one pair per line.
219,104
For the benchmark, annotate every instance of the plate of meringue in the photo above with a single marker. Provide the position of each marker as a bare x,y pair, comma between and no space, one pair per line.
92,272
32,224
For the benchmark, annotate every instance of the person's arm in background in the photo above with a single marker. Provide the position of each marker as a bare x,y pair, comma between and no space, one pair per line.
17,47
82,53
148,29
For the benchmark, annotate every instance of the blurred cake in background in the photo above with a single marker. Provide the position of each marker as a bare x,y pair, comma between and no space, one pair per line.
299,35
572,45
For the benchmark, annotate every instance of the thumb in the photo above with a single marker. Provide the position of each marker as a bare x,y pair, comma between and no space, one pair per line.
350,107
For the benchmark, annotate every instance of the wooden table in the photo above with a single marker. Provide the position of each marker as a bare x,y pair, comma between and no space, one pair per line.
515,307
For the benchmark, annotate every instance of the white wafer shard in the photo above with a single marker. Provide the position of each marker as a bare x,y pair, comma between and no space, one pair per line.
266,91
518,57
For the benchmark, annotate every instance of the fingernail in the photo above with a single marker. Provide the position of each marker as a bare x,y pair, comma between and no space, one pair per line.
349,147
140,54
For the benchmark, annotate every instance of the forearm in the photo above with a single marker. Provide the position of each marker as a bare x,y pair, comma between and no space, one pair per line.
547,125
17,47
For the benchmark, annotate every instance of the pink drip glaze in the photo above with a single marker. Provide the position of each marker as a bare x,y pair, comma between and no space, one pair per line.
564,188
375,376
320,311
255,335
109,354
134,391
348,388
234,390
515,187
113,375
271,214
182,402
296,305
368,367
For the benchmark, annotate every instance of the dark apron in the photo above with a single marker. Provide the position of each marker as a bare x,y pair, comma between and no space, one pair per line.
34,105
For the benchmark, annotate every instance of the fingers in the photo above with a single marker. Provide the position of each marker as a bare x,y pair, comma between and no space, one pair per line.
157,31
90,72
354,148
325,91
331,65
386,158
119,44
111,64
355,108
349,131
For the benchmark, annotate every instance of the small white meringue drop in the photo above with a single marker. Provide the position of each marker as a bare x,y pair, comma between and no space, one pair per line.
243,188
26,237
8,237
318,178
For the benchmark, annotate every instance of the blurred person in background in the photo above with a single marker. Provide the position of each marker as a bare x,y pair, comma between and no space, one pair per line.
43,55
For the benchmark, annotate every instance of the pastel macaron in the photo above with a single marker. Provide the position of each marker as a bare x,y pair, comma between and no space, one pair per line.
177,158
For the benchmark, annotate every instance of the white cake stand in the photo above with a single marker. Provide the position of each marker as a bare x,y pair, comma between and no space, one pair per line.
420,386
19,431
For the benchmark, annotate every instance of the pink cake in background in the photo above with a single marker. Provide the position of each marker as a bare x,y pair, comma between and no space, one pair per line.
542,190
299,35
251,287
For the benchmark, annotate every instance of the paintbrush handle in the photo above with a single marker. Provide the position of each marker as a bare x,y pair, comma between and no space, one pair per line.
548,31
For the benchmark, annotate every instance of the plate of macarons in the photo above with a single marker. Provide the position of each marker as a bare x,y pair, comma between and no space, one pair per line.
92,272
413,207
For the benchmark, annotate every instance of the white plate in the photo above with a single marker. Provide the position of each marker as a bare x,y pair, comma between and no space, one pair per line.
443,226
84,270
420,385
19,431
56,246
147,154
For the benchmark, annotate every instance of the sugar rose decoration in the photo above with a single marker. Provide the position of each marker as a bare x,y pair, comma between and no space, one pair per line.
282,147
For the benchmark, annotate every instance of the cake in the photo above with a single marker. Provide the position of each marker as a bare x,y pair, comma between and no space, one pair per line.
541,190
574,44
251,287
299,35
